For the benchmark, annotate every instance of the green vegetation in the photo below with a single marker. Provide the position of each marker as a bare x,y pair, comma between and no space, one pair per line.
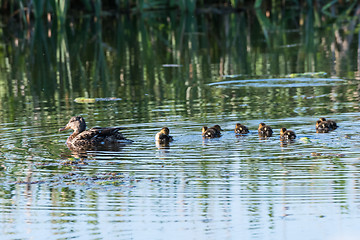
60,9
155,57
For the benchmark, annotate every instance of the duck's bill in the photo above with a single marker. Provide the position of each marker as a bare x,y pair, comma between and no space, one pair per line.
63,129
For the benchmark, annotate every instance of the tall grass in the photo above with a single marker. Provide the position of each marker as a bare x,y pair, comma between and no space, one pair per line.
25,10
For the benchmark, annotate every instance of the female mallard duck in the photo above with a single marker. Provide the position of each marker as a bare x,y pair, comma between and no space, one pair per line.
264,130
287,134
212,132
332,124
92,138
241,129
163,136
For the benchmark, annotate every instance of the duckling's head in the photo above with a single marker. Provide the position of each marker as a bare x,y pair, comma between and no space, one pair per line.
217,127
322,119
76,123
318,123
165,131
282,131
204,128
237,125
261,125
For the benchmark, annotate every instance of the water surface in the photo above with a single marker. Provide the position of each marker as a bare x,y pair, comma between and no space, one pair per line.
194,71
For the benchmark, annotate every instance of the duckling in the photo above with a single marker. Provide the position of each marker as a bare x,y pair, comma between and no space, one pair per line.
332,124
82,139
163,136
264,130
212,132
241,129
287,134
322,126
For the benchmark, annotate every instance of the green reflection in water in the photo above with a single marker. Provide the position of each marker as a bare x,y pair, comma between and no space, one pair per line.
125,57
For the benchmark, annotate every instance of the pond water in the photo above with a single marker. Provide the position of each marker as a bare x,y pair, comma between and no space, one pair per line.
181,71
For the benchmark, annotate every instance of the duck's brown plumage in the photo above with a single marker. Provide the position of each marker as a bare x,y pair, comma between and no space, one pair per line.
93,138
264,130
241,129
287,134
163,136
212,132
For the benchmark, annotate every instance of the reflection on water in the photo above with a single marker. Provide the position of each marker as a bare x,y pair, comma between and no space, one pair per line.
183,72
230,185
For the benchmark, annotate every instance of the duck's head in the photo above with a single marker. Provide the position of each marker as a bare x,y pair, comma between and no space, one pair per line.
282,131
204,128
322,119
261,125
76,123
165,130
237,125
217,127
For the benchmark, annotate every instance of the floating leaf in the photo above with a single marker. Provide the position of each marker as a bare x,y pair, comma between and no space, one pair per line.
305,140
85,100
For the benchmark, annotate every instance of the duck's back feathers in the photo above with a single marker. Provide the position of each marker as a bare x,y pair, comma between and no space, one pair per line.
98,137
108,131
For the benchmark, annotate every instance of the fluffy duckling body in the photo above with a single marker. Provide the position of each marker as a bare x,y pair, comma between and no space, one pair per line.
332,124
287,134
241,129
322,126
163,136
93,138
212,132
264,130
